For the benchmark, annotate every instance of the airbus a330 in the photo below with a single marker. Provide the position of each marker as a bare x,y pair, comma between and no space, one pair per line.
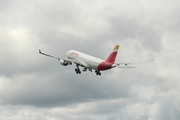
88,62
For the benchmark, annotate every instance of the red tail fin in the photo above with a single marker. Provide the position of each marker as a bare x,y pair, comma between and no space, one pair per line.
112,56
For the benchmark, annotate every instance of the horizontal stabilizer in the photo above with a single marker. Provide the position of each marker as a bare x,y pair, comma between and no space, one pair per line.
126,67
126,64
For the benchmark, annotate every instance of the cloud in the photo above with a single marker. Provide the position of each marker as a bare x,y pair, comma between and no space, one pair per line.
37,87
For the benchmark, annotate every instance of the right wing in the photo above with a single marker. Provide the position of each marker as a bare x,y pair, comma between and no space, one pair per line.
126,65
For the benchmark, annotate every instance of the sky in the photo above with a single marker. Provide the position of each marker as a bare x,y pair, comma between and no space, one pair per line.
35,87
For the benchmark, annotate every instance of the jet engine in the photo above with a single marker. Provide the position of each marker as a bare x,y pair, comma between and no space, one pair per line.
64,63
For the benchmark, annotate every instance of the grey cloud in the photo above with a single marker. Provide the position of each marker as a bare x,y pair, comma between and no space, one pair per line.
131,29
5,4
58,90
37,87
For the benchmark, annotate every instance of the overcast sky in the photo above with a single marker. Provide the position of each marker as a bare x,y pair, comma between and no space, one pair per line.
35,87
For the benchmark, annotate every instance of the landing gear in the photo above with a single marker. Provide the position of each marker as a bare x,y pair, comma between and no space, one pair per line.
97,72
78,71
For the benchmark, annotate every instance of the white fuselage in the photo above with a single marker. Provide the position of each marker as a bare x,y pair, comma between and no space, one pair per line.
84,59
87,61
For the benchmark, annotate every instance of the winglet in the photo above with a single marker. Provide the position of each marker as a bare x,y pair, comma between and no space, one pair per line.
39,51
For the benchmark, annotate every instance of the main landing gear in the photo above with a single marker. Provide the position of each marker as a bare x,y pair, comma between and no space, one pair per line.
97,72
78,71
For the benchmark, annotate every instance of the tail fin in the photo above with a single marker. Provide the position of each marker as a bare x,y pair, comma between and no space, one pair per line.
112,56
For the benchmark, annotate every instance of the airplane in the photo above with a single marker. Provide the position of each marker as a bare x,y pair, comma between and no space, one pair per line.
90,62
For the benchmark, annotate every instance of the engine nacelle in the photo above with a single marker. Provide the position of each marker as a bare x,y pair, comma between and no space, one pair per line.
64,63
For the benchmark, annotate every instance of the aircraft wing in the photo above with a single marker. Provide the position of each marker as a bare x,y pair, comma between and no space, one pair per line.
59,58
128,65
76,61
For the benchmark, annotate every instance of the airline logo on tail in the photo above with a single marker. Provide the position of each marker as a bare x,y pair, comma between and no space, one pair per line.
109,62
112,56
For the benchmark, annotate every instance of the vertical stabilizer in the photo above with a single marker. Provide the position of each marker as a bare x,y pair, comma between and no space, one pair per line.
112,56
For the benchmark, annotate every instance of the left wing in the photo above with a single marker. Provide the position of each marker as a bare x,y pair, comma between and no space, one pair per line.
126,65
59,58
48,55
66,61
63,61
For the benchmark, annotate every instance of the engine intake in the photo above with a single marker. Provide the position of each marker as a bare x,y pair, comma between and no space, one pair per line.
64,63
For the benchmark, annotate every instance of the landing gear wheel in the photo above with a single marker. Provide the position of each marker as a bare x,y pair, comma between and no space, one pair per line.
97,72
78,71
